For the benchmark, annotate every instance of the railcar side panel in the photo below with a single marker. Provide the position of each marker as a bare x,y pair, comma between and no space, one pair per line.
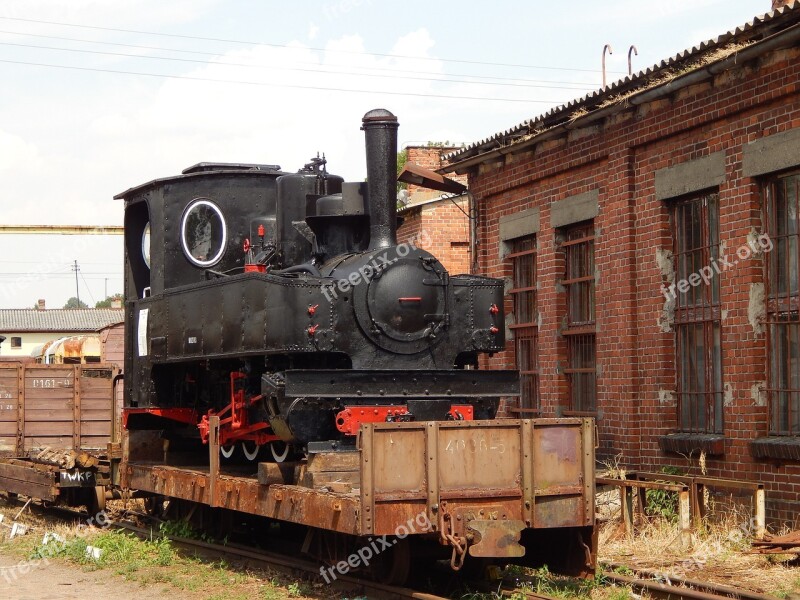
61,407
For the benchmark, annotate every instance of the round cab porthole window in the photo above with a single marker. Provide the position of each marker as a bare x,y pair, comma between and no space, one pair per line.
146,245
203,233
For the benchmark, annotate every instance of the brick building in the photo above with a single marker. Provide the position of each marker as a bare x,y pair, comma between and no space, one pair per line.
436,219
650,234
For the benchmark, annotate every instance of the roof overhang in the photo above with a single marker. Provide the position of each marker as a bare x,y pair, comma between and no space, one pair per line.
416,175
776,30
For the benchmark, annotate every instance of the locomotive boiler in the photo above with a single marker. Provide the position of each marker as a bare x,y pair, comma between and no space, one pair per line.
282,304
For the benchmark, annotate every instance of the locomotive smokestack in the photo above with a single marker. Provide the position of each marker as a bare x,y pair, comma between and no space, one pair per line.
380,129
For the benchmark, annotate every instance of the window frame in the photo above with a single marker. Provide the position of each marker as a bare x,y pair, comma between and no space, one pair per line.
194,204
526,334
581,312
15,342
782,308
698,316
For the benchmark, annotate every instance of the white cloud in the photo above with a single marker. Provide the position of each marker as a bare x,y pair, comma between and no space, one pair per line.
313,30
120,13
111,125
16,154
91,136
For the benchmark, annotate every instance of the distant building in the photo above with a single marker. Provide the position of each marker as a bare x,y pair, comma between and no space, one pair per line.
28,330
436,219
649,236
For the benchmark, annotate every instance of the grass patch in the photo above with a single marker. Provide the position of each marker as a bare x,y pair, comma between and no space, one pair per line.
116,549
663,503
157,562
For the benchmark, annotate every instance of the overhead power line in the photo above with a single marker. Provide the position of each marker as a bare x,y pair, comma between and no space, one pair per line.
279,85
88,289
278,68
287,46
299,62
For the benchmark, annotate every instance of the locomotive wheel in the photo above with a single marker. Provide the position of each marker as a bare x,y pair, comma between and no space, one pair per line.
279,451
227,451
252,453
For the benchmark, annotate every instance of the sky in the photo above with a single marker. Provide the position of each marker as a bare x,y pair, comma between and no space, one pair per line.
97,96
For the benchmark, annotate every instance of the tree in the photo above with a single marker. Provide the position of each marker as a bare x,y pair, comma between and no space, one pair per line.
75,303
402,159
107,302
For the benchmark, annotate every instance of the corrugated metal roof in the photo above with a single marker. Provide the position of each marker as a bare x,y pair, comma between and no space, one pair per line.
683,62
67,320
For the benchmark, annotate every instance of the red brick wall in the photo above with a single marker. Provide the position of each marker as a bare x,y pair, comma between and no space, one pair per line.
442,229
442,226
636,359
429,157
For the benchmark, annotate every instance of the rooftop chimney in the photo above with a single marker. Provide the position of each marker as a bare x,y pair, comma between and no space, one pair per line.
40,304
116,303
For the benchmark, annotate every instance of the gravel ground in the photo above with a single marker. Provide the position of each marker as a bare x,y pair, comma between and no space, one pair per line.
57,580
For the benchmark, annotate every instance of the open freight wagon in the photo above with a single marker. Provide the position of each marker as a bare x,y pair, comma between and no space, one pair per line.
506,490
56,422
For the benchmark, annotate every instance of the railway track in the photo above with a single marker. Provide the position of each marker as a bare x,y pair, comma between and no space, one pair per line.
653,583
238,554
282,562
660,586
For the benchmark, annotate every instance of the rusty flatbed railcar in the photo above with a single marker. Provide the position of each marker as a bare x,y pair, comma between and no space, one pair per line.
49,416
513,490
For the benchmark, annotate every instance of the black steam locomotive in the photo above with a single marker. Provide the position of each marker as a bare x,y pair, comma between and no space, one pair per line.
282,304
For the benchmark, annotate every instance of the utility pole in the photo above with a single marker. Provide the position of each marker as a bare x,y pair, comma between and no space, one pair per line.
76,268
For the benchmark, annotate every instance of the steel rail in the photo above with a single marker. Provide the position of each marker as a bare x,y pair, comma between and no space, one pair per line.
265,559
661,585
281,561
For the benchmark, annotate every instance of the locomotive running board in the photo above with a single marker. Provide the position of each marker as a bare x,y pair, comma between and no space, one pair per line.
339,383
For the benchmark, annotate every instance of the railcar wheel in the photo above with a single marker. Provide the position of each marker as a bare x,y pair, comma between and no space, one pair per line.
154,506
392,566
279,451
97,499
227,451
251,454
